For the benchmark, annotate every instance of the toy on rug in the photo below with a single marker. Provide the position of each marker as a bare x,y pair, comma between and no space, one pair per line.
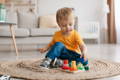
65,65
72,67
80,67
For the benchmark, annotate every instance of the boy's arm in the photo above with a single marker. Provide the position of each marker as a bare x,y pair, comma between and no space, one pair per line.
49,45
46,48
83,49
81,43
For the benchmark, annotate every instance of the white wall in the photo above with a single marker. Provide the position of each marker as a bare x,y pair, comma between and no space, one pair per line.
86,10
117,17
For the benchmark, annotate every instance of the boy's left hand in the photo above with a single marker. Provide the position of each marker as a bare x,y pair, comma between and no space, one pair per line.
84,56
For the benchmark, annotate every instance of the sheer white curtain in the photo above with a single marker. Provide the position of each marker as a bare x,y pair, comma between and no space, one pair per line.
117,19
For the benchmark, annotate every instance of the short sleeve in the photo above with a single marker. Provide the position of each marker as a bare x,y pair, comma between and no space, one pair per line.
78,38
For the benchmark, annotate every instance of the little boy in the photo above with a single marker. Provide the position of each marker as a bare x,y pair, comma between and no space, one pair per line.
66,43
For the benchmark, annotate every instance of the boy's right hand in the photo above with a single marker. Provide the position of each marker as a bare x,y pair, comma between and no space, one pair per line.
42,50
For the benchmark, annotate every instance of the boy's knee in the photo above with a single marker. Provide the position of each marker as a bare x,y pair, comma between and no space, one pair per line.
59,44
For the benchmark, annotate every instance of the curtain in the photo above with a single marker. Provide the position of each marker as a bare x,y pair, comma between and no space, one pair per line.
111,23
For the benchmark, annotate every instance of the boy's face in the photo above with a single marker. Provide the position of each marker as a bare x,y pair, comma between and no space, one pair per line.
66,26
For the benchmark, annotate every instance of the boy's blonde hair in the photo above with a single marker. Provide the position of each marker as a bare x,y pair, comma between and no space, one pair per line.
63,13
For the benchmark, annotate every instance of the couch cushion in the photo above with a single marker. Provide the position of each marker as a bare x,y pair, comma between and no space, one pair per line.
43,31
21,32
27,20
48,21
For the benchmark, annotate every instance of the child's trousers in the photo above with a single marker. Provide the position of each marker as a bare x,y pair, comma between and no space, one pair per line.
58,50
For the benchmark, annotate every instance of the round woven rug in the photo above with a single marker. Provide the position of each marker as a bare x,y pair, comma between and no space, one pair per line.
29,69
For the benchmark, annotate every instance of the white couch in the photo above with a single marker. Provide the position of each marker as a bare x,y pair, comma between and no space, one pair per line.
30,28
90,31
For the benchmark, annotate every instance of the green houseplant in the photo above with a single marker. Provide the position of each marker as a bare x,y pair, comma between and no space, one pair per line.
2,13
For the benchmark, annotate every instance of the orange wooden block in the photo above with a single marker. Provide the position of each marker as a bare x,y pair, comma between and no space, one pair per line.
73,66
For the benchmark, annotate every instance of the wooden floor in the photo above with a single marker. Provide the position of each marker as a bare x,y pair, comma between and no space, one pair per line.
104,51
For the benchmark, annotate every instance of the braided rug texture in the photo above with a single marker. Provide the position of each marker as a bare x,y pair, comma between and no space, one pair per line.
29,69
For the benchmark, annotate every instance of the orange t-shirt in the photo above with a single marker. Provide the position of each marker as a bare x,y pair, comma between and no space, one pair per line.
71,42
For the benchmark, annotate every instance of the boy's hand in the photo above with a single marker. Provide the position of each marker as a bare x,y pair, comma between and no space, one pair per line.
42,50
83,49
84,56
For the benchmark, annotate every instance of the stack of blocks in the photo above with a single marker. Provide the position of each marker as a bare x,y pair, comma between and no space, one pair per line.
72,66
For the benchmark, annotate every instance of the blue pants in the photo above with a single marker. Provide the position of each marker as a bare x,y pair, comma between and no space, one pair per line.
58,50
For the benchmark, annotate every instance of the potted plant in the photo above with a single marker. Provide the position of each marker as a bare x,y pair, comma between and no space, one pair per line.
2,12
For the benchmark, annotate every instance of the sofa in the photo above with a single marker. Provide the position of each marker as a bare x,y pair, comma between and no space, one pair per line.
30,28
